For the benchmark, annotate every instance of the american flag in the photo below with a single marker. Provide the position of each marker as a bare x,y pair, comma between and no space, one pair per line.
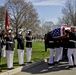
59,31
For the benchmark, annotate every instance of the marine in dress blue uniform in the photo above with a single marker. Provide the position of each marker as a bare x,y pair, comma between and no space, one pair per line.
3,44
29,46
71,48
61,50
59,44
20,46
0,48
45,42
9,49
51,45
57,51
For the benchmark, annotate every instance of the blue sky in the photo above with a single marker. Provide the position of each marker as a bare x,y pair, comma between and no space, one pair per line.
48,10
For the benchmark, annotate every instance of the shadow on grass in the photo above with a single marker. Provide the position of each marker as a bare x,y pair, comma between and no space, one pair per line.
35,52
4,66
16,64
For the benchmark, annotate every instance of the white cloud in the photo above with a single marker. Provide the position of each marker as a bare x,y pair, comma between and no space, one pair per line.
47,2
54,20
32,0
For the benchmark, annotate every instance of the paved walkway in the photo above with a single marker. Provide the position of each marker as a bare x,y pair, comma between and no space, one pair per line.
44,69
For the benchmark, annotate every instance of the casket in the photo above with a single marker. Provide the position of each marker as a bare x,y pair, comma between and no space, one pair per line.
60,31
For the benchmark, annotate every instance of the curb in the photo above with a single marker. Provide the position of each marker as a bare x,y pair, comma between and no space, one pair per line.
22,68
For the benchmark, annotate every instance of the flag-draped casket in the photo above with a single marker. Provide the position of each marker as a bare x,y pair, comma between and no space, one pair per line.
59,35
59,31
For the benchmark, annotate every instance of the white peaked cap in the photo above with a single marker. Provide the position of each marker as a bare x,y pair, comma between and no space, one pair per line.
20,30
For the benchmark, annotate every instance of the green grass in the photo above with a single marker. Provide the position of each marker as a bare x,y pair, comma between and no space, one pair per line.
38,53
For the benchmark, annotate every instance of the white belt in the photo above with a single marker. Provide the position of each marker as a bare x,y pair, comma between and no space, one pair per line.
72,40
28,41
9,42
51,41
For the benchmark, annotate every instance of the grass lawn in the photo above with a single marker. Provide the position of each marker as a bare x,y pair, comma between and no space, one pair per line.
38,53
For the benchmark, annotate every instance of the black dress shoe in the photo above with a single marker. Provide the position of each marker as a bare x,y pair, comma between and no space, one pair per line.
51,64
56,62
60,60
10,68
0,71
74,65
71,66
21,64
29,62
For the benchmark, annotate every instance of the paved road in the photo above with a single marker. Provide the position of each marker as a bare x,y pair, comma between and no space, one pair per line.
44,69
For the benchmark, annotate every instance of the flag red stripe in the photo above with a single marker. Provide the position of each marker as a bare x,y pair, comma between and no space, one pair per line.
6,21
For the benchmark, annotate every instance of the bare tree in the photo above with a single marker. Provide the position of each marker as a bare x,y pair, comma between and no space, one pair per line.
46,27
69,12
2,16
22,14
64,21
